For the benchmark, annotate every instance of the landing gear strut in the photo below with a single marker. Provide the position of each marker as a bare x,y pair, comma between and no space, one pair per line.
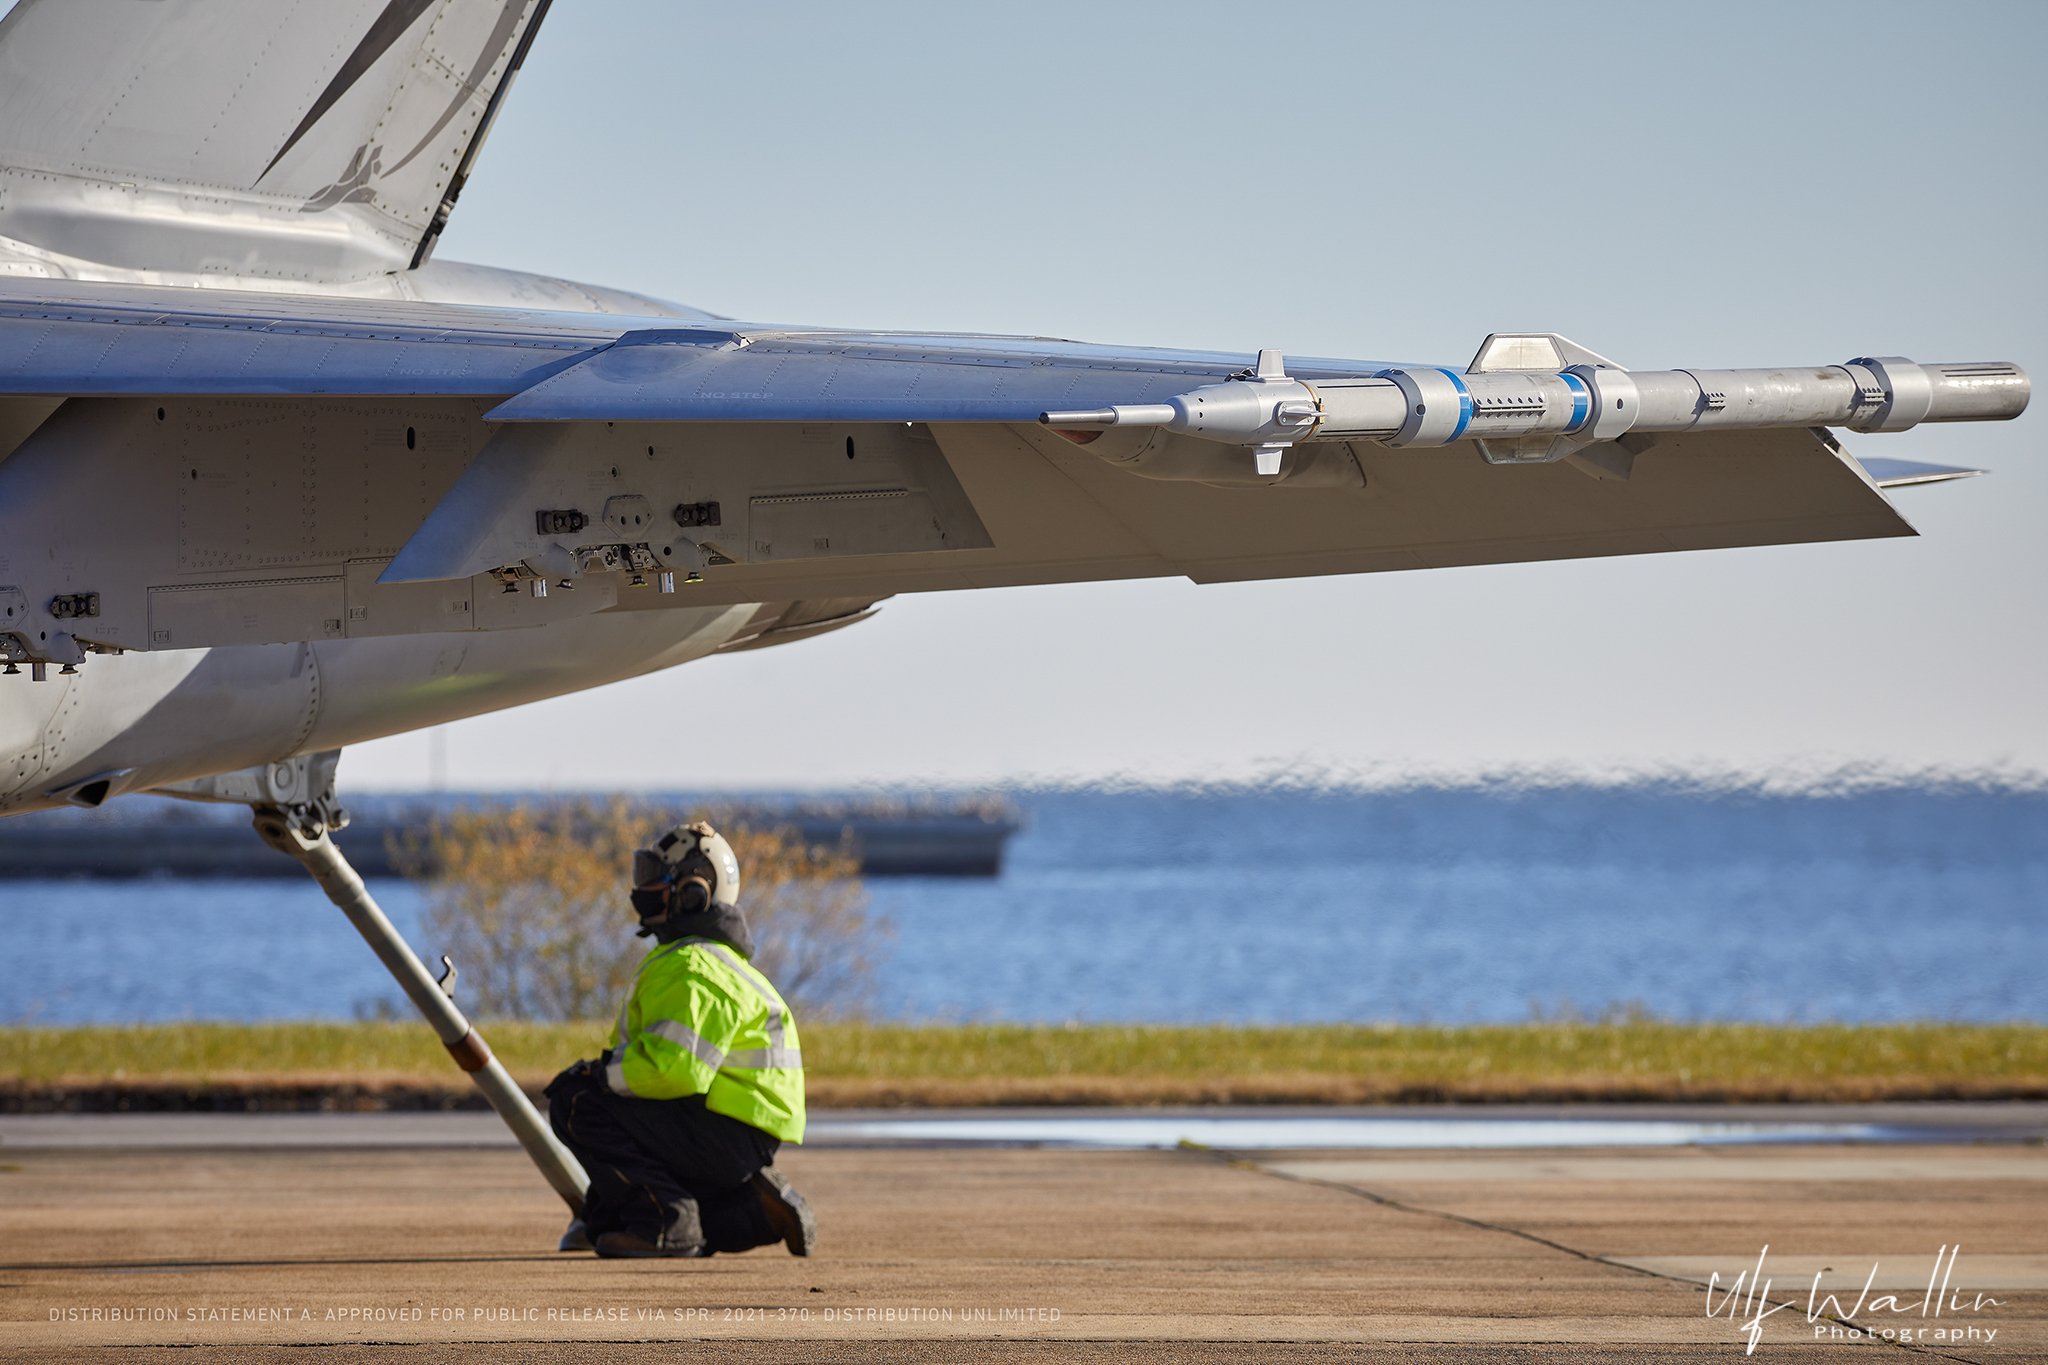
295,811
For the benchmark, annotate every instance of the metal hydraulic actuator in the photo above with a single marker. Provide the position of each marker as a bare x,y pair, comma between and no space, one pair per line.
295,811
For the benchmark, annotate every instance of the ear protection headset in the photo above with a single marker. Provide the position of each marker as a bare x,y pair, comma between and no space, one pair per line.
690,892
689,869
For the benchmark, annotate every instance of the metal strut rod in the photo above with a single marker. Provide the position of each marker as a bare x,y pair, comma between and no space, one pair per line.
301,831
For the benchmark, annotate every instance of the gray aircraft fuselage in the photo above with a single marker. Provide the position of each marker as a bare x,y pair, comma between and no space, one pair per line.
146,719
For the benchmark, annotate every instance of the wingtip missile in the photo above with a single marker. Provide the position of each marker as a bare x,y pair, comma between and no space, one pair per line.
1521,410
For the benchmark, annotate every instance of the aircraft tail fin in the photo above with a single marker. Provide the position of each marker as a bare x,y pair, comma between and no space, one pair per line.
318,142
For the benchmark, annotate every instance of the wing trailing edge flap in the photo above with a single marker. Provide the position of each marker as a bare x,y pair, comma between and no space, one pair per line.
1423,508
1912,473
1056,513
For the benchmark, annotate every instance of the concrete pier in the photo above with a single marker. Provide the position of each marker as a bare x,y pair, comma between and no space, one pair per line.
60,844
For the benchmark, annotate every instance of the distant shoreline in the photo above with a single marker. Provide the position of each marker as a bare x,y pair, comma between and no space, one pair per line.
352,1067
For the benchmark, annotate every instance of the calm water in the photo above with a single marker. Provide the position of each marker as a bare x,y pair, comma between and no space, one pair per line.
1439,906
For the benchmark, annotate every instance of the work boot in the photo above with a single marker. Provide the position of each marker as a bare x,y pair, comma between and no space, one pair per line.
632,1246
576,1238
788,1214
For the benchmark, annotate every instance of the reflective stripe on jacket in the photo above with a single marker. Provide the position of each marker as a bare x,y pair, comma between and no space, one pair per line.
703,1021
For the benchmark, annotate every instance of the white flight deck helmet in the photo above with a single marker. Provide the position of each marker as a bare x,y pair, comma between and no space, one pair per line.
693,864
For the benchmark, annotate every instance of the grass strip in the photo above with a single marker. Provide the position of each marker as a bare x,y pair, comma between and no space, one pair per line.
382,1064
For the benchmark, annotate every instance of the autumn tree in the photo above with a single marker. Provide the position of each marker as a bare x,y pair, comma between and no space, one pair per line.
530,902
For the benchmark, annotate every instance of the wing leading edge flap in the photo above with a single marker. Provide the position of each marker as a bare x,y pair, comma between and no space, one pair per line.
699,376
135,340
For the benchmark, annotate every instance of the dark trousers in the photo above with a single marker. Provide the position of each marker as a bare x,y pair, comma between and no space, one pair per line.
668,1170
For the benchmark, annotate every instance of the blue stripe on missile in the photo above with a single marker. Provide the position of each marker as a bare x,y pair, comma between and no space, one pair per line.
1582,400
1464,404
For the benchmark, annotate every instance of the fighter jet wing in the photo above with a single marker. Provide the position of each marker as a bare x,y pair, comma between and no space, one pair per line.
224,468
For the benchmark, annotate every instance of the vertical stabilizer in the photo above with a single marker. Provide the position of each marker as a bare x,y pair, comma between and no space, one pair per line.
314,140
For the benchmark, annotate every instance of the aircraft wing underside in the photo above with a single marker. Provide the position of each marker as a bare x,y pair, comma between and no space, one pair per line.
219,469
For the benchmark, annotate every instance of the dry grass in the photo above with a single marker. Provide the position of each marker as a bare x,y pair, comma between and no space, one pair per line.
367,1064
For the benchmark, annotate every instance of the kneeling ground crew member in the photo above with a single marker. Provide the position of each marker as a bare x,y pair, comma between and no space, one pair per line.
678,1123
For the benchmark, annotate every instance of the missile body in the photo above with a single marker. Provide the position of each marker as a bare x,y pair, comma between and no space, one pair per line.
1522,416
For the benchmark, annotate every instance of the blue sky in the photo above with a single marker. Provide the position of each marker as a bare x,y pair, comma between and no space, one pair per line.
1741,184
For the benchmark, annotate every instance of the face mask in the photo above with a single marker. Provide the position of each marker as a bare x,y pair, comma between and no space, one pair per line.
650,902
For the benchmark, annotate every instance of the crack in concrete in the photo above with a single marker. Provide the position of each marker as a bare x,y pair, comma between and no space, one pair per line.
1483,1225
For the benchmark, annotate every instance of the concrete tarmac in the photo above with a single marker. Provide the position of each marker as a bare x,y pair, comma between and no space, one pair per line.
255,1248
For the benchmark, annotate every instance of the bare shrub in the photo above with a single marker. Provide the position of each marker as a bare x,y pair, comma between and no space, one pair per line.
530,901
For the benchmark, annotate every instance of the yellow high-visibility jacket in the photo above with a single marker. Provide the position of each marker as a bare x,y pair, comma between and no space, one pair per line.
703,1021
